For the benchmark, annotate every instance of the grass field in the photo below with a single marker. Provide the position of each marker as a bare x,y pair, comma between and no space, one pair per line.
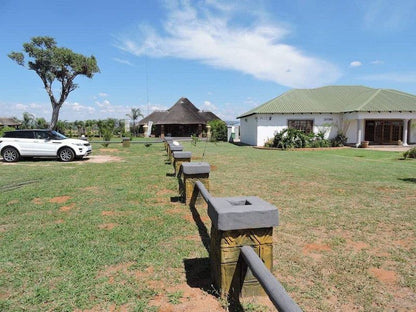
107,234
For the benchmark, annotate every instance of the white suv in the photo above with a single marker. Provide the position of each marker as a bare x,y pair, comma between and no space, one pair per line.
41,143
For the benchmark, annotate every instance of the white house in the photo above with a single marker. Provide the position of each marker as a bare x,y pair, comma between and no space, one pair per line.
380,116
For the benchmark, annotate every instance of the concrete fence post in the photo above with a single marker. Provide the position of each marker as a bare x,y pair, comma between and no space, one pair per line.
192,172
179,158
236,222
126,142
167,140
174,148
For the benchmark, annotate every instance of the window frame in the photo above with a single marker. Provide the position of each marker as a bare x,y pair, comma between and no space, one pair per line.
301,125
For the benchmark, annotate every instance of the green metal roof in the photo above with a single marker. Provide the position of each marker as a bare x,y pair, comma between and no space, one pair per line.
338,99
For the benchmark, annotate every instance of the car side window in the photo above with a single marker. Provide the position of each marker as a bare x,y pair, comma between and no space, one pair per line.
41,135
25,135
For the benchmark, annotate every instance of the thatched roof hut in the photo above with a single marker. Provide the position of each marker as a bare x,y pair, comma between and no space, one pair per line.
183,119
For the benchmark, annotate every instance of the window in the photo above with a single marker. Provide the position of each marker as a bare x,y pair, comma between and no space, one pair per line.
19,134
302,125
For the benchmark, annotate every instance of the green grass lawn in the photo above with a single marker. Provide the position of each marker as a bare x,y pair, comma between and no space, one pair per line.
106,235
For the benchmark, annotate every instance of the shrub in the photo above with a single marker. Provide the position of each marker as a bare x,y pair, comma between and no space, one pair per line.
339,140
106,129
5,129
411,153
292,138
218,130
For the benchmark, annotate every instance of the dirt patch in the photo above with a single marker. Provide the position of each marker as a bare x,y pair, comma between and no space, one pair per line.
93,189
384,276
110,150
108,213
314,247
107,226
174,211
59,221
60,199
193,238
12,202
213,167
112,270
188,299
100,159
141,275
405,243
189,218
357,246
37,201
165,192
67,208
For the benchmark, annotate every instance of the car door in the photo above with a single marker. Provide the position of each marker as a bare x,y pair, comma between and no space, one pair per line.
45,145
25,142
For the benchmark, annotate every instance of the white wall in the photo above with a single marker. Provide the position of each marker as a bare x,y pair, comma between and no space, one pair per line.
248,130
267,125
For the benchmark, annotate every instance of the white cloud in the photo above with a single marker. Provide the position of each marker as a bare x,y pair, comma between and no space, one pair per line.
210,35
209,106
392,77
122,61
250,102
21,107
81,108
103,94
356,64
377,62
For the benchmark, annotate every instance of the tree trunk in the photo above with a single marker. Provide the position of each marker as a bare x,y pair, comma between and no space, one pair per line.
55,116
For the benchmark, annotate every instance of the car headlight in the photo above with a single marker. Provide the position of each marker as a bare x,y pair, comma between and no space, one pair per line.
78,144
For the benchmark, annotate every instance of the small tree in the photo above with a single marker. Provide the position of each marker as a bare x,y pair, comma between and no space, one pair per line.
219,130
107,129
134,115
51,63
41,123
28,121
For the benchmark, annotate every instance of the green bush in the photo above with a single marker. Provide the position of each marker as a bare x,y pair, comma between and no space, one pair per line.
5,129
107,129
292,138
411,153
218,130
339,140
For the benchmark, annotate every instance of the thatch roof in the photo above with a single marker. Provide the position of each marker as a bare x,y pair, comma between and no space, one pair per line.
182,113
11,122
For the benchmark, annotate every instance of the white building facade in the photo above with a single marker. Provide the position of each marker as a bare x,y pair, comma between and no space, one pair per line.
257,129
378,116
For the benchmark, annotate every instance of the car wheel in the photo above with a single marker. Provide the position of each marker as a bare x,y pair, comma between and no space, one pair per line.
10,154
66,154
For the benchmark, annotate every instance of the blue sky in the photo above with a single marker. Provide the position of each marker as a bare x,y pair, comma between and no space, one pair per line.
224,56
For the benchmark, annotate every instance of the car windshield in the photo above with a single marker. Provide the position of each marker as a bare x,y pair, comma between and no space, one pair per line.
58,136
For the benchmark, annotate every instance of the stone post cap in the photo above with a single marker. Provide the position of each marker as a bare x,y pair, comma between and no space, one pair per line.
195,167
243,212
179,154
177,148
